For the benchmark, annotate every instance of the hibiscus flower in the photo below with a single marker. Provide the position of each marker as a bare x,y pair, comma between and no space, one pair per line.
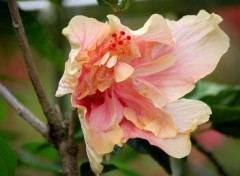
129,84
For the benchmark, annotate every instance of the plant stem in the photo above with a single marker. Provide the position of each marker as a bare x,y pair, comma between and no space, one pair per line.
24,112
50,112
58,130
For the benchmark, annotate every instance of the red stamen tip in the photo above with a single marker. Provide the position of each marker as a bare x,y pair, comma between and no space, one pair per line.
120,42
113,45
128,37
114,35
122,33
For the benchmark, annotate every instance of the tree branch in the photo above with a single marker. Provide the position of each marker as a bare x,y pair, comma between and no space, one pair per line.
24,112
72,124
210,156
60,135
50,112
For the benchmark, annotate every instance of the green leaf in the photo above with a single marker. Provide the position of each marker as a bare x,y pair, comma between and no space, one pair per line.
3,169
226,120
2,110
124,4
85,169
107,2
227,97
124,169
79,136
7,135
30,160
8,159
157,154
41,149
203,89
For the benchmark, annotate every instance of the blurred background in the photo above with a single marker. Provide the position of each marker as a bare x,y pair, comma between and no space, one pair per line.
44,21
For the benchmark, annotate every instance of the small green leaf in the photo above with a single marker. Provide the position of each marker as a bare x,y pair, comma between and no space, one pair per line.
8,159
7,135
79,135
124,4
107,2
3,168
2,110
30,160
203,89
157,154
41,149
226,97
85,169
226,120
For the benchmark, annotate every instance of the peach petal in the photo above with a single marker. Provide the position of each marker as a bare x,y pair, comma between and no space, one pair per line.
95,158
112,61
188,114
69,79
78,28
122,71
177,147
155,30
154,66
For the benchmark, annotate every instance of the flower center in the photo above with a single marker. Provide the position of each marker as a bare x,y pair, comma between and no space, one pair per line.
116,48
120,44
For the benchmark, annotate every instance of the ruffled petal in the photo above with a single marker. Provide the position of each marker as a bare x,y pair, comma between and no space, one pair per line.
151,92
116,26
200,43
122,71
84,33
188,114
69,79
155,30
142,112
177,147
95,159
103,121
154,66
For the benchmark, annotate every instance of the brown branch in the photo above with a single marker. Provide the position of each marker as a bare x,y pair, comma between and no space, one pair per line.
210,156
24,112
72,124
49,111
60,135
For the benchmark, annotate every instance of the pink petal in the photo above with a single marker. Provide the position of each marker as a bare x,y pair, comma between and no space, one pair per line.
150,91
69,79
141,111
122,71
116,26
84,33
188,114
95,159
155,30
200,45
154,66
103,123
177,147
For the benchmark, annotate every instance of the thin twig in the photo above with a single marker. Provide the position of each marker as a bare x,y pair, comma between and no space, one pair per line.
210,156
49,111
24,112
